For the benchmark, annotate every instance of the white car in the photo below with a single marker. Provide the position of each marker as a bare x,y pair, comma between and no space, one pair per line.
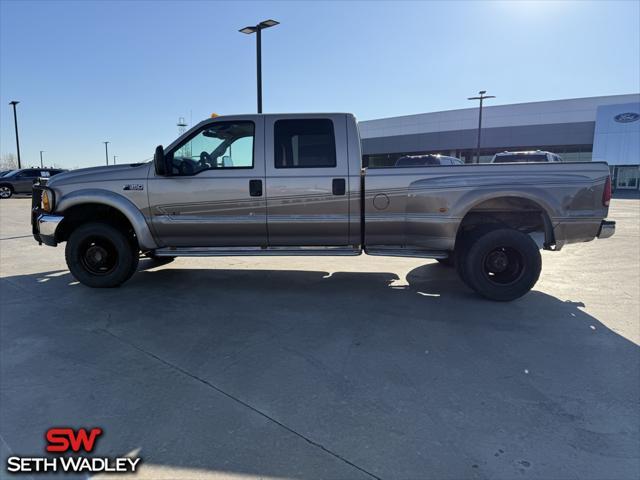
526,157
424,160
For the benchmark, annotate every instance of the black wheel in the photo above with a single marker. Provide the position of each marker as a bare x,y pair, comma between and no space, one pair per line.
99,255
6,191
502,264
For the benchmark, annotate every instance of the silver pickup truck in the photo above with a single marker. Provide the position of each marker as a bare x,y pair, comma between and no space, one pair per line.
293,184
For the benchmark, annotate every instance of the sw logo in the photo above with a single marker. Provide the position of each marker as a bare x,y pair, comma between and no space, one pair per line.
67,441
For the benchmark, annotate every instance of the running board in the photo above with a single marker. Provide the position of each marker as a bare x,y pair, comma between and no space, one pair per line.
406,252
254,251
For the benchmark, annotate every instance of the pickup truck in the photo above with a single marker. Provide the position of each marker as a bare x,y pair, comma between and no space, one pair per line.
293,184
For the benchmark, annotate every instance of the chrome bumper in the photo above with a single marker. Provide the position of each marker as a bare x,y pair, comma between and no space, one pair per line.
46,226
607,229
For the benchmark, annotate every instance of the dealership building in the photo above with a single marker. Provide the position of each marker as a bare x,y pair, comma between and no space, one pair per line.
580,129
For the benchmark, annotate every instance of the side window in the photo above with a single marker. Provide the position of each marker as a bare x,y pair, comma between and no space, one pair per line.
304,143
221,145
30,173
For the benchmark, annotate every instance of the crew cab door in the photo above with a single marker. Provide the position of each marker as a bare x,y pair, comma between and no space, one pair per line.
215,194
307,180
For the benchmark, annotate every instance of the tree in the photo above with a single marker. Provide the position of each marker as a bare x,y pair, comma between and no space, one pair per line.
8,162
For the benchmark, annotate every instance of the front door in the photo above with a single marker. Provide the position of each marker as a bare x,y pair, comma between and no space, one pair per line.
214,196
307,180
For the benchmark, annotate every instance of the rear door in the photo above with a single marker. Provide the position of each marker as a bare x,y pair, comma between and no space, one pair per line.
24,180
307,186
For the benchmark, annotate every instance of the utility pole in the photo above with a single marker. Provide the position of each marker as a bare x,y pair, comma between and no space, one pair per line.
257,29
114,159
106,152
481,98
15,123
41,162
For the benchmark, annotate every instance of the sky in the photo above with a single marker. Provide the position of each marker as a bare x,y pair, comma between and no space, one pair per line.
125,71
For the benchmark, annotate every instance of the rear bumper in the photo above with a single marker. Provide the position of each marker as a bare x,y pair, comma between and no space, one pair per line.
607,229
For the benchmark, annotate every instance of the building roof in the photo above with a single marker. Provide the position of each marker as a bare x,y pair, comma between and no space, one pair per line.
573,110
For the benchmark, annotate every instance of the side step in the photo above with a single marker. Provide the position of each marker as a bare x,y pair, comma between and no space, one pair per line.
254,251
405,252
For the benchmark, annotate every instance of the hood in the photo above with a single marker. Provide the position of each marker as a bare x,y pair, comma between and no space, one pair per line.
129,171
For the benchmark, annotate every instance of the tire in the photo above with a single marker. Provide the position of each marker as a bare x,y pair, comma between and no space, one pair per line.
6,191
101,256
501,265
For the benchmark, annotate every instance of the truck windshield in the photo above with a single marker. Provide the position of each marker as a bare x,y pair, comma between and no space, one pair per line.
521,157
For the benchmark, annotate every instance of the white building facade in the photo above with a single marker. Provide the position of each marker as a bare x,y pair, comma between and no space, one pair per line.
581,129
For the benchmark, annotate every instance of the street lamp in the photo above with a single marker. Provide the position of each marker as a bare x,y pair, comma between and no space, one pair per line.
41,163
481,98
15,122
106,151
257,29
114,159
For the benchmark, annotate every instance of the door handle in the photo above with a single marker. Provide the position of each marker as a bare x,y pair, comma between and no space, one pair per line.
339,186
255,188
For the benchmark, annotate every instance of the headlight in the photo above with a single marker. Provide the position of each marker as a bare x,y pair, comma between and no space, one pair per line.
46,201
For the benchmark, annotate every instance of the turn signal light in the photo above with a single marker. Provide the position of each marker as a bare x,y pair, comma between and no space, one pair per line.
46,201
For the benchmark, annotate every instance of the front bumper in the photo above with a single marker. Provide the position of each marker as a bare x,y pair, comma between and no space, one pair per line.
44,229
43,225
607,229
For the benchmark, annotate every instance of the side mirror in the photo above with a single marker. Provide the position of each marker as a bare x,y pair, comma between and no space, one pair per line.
159,161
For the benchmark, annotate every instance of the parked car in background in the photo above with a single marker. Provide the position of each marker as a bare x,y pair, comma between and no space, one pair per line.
425,160
21,181
526,157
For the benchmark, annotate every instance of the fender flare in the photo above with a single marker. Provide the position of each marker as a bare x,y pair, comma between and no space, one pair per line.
120,203
548,210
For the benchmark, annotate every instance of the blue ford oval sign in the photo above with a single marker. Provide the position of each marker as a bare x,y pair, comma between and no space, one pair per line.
627,117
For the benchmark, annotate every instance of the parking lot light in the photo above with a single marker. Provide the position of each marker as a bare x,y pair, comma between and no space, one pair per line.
257,29
481,98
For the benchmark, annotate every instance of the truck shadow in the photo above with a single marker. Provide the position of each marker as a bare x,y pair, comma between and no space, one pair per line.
232,370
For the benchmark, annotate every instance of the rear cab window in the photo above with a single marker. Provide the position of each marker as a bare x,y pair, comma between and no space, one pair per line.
304,143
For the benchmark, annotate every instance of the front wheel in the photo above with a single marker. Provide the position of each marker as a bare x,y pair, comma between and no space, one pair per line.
101,256
501,265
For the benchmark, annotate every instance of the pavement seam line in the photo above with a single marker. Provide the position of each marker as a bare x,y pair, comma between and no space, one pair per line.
241,402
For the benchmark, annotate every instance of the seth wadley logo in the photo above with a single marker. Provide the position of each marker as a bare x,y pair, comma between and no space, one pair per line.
627,117
64,440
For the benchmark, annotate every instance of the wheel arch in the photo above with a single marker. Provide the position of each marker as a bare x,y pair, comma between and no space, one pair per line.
518,210
84,205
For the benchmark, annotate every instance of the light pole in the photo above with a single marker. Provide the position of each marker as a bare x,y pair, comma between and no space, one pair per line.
114,159
257,29
15,123
41,162
106,151
481,98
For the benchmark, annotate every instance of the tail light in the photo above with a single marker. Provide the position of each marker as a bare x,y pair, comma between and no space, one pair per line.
606,194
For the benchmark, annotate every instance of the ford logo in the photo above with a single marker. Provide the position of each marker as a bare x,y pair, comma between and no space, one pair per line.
627,117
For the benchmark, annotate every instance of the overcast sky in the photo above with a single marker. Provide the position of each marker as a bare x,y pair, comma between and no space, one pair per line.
91,71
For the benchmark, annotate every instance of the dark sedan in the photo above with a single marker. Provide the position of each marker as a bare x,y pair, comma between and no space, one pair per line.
21,181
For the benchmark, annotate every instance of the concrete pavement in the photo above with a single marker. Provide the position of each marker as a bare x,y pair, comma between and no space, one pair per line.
320,367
